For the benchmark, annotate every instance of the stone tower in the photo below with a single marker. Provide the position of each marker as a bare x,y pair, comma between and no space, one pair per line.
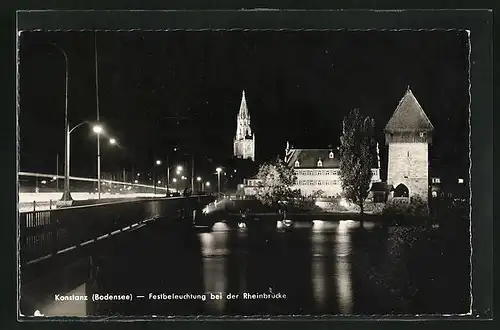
408,135
244,141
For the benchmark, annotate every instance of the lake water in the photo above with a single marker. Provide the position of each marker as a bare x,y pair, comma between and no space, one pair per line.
330,269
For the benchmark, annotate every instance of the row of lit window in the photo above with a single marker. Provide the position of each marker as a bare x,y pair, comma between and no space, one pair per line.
317,172
318,182
324,172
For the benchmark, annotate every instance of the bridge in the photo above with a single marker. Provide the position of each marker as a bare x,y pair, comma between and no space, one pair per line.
51,240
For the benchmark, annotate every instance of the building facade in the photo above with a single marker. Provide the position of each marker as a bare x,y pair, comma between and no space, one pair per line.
316,170
319,170
244,141
408,135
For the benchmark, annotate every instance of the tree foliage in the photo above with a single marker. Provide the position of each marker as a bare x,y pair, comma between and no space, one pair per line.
275,185
356,156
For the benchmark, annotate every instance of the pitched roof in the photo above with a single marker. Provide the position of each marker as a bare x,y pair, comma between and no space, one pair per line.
309,158
409,116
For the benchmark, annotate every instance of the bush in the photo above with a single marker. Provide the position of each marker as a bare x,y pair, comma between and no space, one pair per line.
416,207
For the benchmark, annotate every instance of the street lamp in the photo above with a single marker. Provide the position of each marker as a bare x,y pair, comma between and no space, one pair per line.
199,181
66,194
179,169
96,128
157,163
218,170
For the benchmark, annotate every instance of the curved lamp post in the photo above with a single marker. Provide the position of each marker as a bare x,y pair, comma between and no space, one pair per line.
66,194
98,130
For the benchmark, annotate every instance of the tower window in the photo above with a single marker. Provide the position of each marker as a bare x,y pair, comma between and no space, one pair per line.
330,155
297,164
320,163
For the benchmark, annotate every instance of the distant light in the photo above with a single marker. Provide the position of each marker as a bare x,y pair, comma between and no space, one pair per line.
138,174
54,178
198,178
218,169
183,177
136,181
174,180
97,129
44,182
179,168
234,171
175,149
207,184
344,203
460,180
158,162
112,141
159,181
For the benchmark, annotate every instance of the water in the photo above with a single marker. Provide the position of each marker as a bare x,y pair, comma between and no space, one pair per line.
331,269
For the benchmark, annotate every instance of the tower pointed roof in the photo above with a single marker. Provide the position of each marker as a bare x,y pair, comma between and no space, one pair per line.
243,107
409,116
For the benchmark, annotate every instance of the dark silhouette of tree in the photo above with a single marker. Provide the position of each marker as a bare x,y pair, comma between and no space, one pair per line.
356,156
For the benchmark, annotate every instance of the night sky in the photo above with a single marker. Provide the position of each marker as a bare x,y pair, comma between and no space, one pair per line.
160,90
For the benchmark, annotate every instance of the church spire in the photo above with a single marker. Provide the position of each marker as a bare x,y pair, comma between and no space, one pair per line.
243,129
244,141
243,107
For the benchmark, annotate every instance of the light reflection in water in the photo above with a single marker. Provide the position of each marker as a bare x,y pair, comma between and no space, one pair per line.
214,250
318,271
343,268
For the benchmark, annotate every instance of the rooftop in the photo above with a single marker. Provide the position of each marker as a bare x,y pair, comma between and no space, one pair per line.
409,116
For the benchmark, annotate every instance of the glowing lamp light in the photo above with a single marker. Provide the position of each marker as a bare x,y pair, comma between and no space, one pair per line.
158,162
207,184
136,181
218,169
44,182
179,168
97,129
159,181
344,203
198,179
460,180
174,180
112,141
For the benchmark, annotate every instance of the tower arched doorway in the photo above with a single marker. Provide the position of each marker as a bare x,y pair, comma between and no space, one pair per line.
401,191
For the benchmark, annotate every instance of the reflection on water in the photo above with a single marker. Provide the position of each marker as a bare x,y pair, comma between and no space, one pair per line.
326,269
319,267
343,268
214,248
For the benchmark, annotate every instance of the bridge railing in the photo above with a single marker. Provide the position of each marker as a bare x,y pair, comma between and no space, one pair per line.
50,232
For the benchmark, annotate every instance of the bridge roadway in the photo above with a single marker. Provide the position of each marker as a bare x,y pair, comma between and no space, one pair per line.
50,236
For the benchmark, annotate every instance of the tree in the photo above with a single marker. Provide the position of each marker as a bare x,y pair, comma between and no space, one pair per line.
276,180
356,157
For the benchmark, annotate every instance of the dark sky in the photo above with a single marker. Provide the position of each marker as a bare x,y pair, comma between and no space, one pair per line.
164,89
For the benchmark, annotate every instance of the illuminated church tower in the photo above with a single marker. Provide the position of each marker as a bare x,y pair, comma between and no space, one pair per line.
408,134
244,141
